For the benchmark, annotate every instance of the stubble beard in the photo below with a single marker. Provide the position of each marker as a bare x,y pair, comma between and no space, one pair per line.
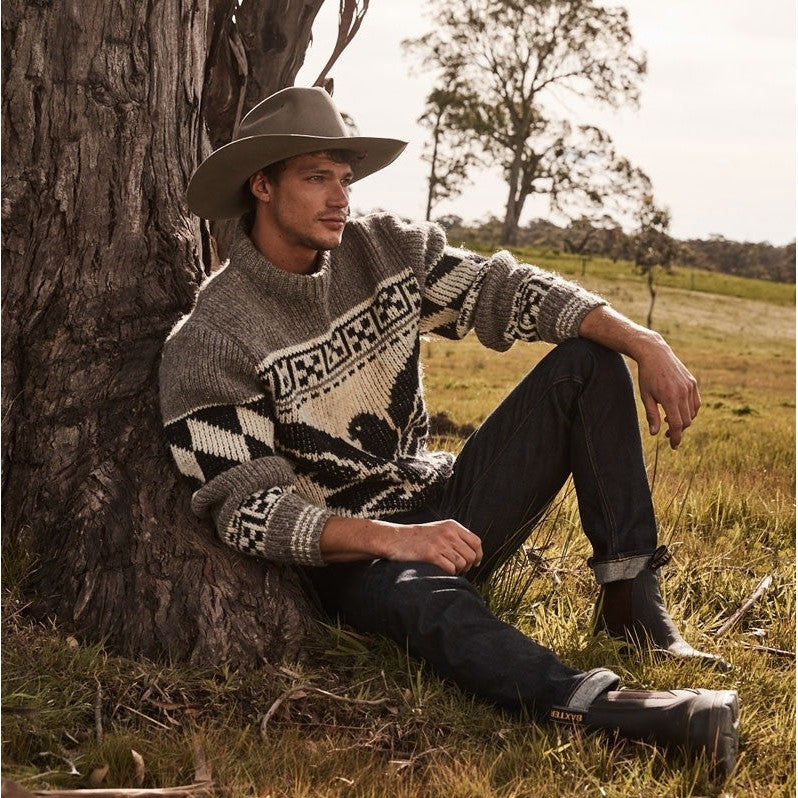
309,240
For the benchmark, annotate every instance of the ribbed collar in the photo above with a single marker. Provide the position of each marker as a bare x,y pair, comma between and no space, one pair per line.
245,257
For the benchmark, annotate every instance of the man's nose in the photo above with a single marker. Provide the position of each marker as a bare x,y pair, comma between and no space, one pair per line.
339,196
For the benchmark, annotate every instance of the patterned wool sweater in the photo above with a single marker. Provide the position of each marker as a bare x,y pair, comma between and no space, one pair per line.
289,398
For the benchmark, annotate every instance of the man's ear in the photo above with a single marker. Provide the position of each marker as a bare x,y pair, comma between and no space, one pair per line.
259,186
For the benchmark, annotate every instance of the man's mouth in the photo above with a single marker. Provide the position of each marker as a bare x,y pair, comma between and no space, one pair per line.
333,222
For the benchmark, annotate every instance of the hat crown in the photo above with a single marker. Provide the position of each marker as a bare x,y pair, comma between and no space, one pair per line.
294,111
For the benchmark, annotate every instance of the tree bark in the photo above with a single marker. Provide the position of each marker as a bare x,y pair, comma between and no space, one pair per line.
103,114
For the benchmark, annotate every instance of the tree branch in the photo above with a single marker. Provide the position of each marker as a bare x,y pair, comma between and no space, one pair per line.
350,18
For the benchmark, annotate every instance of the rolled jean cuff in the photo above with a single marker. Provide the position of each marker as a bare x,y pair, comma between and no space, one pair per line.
593,684
620,568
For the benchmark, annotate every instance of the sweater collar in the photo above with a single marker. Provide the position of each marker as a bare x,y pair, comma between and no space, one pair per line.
245,257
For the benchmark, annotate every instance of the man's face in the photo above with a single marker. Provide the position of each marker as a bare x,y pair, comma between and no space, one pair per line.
309,203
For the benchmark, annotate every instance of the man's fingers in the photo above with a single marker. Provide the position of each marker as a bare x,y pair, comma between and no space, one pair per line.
465,555
445,564
687,413
466,537
674,436
652,413
695,397
475,544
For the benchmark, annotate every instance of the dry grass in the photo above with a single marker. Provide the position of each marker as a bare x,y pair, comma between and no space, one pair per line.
726,505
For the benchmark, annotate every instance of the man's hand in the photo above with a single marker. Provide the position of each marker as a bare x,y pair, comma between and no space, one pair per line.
447,544
662,377
664,380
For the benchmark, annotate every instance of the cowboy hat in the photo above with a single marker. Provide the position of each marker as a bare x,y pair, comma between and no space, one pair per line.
294,121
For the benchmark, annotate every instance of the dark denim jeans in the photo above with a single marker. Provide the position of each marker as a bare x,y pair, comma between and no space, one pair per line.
574,413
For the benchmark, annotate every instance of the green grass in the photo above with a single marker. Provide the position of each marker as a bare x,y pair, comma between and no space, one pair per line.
624,271
725,502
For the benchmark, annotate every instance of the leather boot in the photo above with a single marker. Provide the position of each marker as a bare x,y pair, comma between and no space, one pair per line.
633,610
696,721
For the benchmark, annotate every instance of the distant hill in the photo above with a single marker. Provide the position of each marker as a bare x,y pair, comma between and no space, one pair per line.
718,254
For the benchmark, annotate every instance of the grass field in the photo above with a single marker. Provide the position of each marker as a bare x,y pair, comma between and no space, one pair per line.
726,506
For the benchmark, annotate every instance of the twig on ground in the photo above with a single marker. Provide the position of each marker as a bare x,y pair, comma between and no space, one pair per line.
146,717
194,790
301,688
402,760
73,771
98,712
749,602
779,652
288,672
202,770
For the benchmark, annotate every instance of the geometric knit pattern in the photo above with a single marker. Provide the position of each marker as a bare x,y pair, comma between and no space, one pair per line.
211,440
451,292
247,530
304,372
526,304
289,398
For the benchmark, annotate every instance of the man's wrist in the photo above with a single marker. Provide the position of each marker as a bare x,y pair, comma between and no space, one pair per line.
609,328
643,342
349,539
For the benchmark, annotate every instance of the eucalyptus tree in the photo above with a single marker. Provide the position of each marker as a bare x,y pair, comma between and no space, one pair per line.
653,246
107,109
521,61
451,150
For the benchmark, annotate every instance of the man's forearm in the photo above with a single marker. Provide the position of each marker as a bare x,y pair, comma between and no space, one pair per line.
349,539
445,543
608,327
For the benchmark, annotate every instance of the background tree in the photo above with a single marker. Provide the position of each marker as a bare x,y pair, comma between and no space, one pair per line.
653,246
522,58
107,110
584,232
451,150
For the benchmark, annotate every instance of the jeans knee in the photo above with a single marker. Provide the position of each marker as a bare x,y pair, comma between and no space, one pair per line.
593,359
421,592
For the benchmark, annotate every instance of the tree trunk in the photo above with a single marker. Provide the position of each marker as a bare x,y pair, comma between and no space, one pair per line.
512,212
432,182
519,180
512,217
102,119
652,291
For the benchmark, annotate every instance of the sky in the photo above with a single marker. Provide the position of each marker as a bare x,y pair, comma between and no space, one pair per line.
715,128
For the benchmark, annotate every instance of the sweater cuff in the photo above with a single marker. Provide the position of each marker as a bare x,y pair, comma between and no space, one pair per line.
278,525
562,311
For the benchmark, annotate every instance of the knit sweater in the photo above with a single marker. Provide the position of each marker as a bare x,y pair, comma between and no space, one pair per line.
289,398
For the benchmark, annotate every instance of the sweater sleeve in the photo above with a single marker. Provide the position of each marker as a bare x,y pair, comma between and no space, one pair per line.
501,300
219,425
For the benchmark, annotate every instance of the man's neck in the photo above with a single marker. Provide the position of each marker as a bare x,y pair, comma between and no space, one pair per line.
283,254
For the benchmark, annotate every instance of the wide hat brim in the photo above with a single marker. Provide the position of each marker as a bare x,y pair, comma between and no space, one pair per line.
219,187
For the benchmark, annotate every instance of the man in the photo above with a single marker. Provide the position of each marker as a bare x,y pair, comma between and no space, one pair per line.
292,400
